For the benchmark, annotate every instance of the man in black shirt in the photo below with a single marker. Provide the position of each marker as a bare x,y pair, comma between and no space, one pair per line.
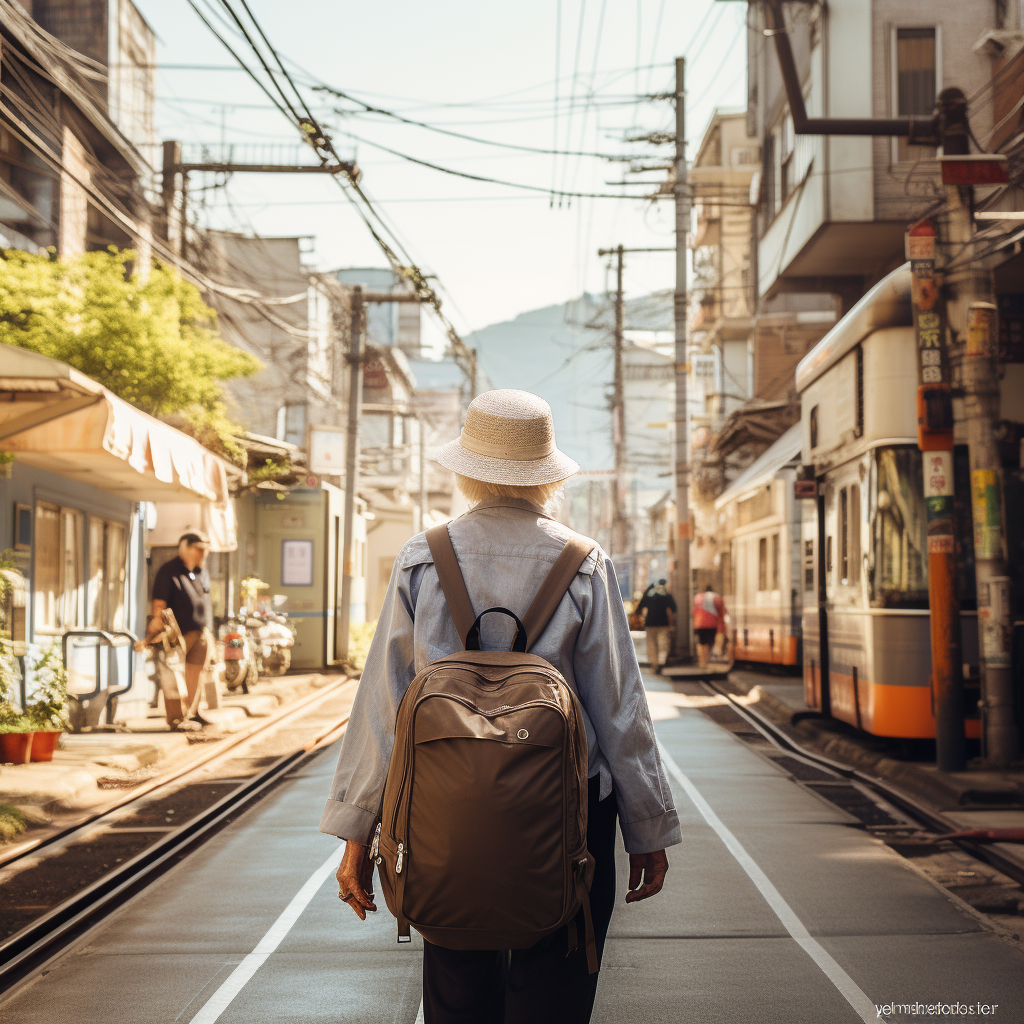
660,608
183,585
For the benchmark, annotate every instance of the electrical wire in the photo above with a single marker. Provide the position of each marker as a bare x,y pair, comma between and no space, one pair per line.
369,108
490,181
405,270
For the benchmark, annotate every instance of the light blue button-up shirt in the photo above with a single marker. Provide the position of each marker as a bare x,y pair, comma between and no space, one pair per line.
505,548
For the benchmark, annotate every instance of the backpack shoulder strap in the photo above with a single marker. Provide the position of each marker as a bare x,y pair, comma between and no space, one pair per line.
449,575
555,584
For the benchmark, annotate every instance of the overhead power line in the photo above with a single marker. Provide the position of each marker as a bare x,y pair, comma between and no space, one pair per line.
312,133
490,181
371,109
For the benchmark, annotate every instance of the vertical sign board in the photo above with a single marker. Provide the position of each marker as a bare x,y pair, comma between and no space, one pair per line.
296,563
934,411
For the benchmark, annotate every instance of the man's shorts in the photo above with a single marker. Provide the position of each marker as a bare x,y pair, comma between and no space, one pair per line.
706,636
197,646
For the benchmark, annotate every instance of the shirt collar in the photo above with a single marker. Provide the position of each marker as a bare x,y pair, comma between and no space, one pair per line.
497,501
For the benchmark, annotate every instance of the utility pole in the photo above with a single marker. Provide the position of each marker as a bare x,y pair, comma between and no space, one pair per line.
618,545
423,472
935,440
620,521
355,357
992,577
684,528
971,292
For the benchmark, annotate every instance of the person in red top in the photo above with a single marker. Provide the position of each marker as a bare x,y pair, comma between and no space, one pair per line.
708,619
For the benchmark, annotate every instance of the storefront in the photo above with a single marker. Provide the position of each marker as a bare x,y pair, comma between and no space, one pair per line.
76,502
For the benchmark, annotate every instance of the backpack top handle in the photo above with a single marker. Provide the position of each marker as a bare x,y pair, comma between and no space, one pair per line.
543,606
518,641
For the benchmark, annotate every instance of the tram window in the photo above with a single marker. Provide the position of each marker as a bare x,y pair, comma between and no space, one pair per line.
855,555
899,529
775,561
762,564
844,535
808,565
813,426
828,554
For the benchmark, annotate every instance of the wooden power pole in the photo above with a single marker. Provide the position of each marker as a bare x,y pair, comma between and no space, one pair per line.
618,537
684,528
356,357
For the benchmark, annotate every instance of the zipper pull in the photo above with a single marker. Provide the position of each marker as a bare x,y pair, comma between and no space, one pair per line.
375,845
401,857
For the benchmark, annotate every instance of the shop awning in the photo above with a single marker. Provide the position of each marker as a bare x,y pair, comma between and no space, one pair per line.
56,418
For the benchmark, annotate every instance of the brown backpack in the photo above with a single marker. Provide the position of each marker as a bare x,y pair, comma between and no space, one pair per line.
482,842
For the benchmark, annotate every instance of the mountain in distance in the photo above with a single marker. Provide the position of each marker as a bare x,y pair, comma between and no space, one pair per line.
564,354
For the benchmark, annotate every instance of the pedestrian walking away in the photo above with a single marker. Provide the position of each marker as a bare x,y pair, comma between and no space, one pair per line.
502,654
708,621
658,608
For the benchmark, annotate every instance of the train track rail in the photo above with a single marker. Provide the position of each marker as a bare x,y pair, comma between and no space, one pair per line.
26,953
929,819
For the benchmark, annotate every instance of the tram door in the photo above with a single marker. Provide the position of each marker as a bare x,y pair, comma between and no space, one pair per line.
825,556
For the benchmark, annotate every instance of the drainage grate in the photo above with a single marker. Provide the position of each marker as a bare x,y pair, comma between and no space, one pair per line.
804,772
853,801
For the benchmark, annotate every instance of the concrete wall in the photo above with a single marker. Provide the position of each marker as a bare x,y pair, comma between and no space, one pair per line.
960,26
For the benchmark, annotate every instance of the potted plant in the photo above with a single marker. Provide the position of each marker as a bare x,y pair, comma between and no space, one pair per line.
47,714
15,729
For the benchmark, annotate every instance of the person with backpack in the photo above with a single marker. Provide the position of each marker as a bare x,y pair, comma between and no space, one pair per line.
499,732
708,620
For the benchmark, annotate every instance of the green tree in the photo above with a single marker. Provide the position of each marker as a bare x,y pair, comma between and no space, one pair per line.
152,342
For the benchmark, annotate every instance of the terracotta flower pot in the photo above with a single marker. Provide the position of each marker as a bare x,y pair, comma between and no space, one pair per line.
44,744
16,747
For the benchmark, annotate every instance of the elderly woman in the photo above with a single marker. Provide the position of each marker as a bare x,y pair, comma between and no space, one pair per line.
508,467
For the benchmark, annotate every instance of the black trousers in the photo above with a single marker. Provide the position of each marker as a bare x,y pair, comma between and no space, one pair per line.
539,985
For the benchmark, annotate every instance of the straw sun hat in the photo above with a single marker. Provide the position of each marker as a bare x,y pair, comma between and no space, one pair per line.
508,438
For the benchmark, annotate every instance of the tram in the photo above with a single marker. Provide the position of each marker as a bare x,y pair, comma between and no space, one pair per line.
866,638
838,582
760,521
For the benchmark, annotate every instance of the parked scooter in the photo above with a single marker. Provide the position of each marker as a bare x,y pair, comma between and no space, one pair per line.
276,637
242,653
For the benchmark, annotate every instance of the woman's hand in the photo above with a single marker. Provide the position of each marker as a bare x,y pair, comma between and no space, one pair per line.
649,868
355,879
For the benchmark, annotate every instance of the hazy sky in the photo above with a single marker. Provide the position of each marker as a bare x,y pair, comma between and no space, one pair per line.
504,72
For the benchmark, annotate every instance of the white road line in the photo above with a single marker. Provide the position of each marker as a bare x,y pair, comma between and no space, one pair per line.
237,979
419,1014
848,988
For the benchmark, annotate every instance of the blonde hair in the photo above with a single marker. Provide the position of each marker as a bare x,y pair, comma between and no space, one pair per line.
545,495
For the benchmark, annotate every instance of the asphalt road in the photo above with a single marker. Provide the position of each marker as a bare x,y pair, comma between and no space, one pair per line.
776,909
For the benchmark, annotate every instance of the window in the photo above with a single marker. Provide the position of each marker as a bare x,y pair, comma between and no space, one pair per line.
844,536
812,426
898,573
915,82
762,564
58,569
105,593
855,555
808,565
775,561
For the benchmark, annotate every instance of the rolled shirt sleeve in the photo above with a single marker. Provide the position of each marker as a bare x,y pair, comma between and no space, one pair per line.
611,688
358,786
